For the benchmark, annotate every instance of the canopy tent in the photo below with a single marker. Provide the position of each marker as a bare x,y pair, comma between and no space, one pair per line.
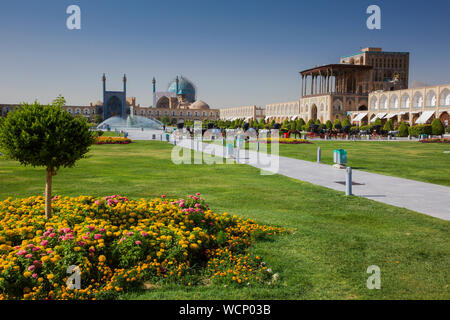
294,117
424,117
390,115
267,118
360,116
379,116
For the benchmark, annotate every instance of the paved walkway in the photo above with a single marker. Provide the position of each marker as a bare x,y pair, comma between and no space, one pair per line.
426,198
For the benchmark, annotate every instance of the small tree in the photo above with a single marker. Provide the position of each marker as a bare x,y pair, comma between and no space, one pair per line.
346,122
377,122
403,130
329,124
337,123
47,136
437,127
388,126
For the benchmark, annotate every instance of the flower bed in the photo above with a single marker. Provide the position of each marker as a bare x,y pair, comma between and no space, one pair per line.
120,244
435,140
287,141
112,140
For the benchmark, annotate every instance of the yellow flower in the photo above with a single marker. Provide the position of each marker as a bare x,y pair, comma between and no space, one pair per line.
76,249
50,276
27,274
102,258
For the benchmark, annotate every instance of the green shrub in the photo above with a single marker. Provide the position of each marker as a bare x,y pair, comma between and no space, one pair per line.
418,130
329,124
337,122
346,122
388,126
377,122
403,130
437,128
366,128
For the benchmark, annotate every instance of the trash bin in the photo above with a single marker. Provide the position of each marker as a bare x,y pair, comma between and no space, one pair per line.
340,156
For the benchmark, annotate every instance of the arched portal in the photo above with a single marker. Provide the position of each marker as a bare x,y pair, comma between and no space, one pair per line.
114,107
362,108
163,102
313,112
445,118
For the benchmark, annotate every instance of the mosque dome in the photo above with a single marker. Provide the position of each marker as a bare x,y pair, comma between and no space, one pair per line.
185,87
199,104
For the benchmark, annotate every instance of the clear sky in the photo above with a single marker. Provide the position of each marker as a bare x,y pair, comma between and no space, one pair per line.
237,52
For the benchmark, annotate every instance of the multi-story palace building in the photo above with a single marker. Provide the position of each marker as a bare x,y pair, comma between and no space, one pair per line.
244,112
413,106
333,91
390,70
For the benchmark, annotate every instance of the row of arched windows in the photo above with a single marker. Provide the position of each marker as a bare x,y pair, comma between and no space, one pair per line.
404,102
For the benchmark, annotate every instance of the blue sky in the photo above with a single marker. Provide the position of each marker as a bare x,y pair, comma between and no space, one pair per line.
237,52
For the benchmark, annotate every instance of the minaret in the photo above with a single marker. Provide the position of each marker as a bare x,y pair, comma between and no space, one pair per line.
124,102
104,97
177,82
154,84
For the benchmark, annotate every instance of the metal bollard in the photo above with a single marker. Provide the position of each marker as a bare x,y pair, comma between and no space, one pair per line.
319,154
348,182
160,137
257,145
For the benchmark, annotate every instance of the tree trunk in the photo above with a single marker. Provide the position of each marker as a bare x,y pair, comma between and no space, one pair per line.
48,193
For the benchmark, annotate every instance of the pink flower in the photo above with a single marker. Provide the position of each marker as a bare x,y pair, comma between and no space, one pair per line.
31,268
163,196
97,202
21,252
29,256
197,205
197,194
91,228
81,243
138,242
97,236
35,249
145,234
102,230
52,235
34,275
44,243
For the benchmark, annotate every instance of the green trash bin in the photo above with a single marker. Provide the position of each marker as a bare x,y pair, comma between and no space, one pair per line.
340,156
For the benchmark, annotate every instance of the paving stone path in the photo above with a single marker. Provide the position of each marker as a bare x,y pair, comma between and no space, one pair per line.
426,198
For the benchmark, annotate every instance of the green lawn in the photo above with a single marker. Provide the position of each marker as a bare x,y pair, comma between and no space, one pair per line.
335,238
405,159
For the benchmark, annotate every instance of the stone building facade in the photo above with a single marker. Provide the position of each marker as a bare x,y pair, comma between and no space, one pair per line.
390,70
413,106
244,112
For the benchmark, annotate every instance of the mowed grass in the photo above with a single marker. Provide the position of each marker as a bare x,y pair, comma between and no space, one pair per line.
334,240
404,159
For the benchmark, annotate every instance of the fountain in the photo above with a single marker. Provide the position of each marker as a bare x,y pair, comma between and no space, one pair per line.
130,123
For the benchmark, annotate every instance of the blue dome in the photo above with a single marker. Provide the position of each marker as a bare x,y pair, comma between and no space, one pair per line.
185,87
